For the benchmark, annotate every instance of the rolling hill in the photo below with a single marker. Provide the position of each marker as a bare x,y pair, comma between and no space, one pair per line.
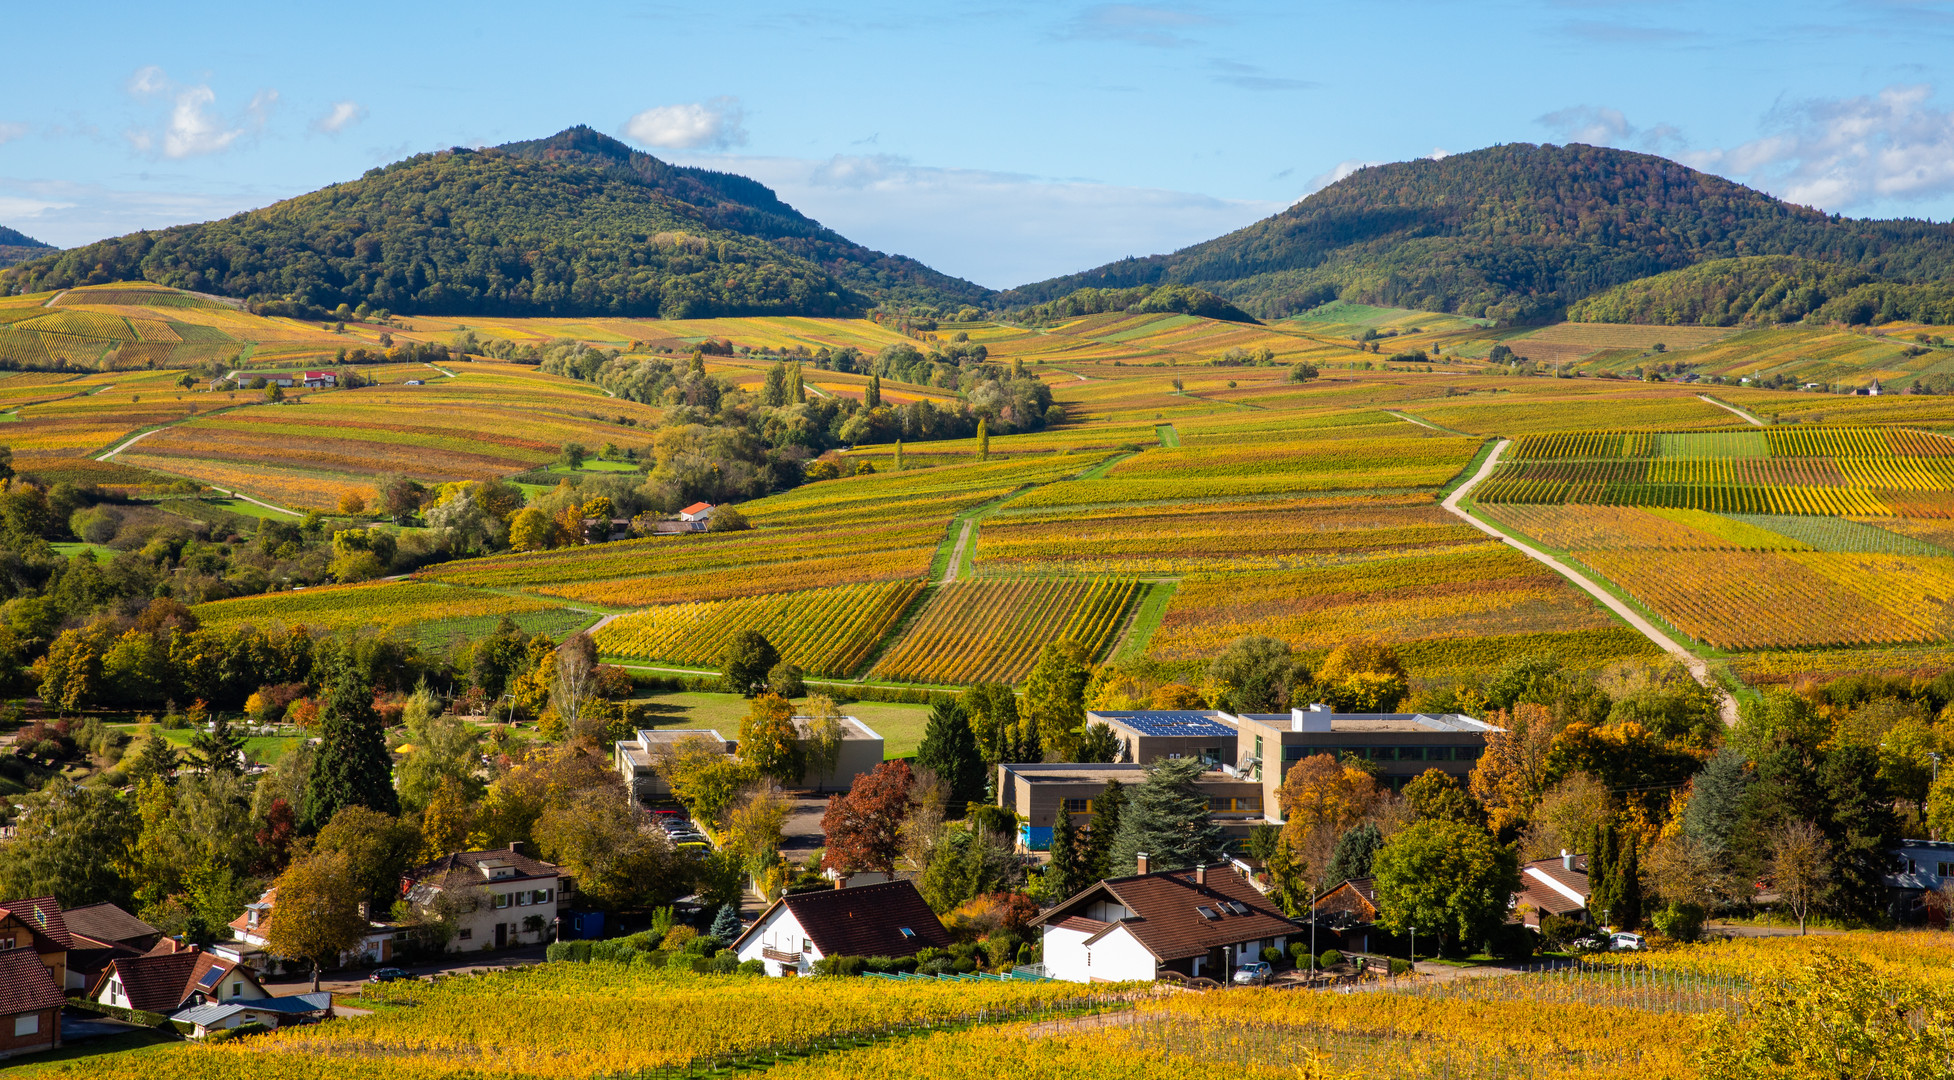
576,224
1760,289
1514,233
16,246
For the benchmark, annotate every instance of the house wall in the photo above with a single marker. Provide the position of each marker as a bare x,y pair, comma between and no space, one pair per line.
781,932
1119,957
475,930
860,753
1065,954
46,1034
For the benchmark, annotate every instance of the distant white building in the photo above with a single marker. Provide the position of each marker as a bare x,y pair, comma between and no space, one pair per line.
637,758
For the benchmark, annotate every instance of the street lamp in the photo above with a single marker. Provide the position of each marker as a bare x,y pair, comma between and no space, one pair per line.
1414,948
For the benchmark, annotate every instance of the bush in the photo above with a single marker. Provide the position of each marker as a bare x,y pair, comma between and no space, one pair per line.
1680,922
753,967
1330,958
727,519
838,965
786,680
1399,967
1511,941
1272,956
679,961
1558,931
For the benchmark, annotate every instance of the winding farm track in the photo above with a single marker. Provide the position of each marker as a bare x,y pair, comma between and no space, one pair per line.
956,557
1697,668
1748,418
134,439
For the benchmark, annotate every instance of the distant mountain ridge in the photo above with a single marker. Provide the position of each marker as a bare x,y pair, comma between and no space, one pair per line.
576,224
16,246
1514,232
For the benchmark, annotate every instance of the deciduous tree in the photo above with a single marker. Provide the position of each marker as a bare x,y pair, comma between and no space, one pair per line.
770,741
747,660
1320,798
318,915
1447,879
1801,866
864,827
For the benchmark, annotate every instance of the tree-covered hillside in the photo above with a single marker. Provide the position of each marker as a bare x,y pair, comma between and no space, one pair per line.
16,246
575,224
1513,232
1762,289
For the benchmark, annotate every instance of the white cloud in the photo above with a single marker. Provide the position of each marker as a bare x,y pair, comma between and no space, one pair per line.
998,229
1599,125
10,132
342,115
17,208
1136,24
193,128
1335,173
715,125
1890,147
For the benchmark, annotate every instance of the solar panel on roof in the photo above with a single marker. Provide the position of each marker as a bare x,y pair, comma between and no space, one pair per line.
1173,723
211,978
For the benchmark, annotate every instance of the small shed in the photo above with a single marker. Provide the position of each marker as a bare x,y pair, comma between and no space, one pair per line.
698,511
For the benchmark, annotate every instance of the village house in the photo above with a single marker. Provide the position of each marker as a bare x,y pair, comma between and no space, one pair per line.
1198,923
698,513
1557,886
268,1012
37,923
888,919
1919,867
167,982
498,899
251,934
30,1004
99,933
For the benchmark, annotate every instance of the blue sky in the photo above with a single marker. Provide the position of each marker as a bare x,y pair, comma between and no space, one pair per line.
998,141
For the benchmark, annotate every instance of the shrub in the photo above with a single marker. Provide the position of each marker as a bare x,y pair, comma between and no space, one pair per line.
1512,941
1399,967
679,961
753,967
1330,958
1558,931
838,965
1680,922
1272,956
786,680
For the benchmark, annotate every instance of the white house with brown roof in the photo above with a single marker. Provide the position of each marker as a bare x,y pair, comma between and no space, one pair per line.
1556,886
168,982
251,931
1199,923
498,899
889,919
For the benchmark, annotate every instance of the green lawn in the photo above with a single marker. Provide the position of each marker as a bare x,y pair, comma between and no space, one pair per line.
70,549
557,623
265,748
901,726
133,1048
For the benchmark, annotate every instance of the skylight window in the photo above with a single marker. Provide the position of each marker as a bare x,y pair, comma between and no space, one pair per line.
907,932
1207,912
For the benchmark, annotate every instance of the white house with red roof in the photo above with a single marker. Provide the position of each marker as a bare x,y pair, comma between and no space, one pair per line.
698,511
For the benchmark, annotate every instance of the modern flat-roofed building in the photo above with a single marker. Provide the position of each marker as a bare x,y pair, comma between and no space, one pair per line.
637,758
1208,735
1038,793
1400,745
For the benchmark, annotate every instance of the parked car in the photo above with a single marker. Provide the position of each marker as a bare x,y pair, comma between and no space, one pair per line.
1253,973
1588,944
1626,942
387,975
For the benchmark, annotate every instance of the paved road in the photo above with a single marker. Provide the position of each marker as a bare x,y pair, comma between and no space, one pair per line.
1748,418
351,980
1697,668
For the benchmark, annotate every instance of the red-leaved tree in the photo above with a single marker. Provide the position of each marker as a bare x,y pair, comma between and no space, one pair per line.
864,827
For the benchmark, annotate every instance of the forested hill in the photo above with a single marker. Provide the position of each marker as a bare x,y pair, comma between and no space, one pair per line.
572,225
743,205
1762,289
16,246
1514,232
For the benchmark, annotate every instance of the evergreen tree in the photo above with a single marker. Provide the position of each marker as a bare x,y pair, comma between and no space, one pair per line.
1716,798
1628,887
1062,874
744,666
983,439
726,925
949,749
1167,818
796,390
219,748
698,364
1856,815
1106,812
1351,858
898,455
872,398
1602,896
352,767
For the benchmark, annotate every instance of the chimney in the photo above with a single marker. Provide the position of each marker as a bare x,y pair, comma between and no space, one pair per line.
515,847
1140,863
1201,874
1566,861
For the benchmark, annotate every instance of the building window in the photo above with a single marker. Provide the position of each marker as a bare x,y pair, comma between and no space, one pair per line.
1945,869
237,989
1078,806
522,898
501,900
1219,804
27,1024
465,934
